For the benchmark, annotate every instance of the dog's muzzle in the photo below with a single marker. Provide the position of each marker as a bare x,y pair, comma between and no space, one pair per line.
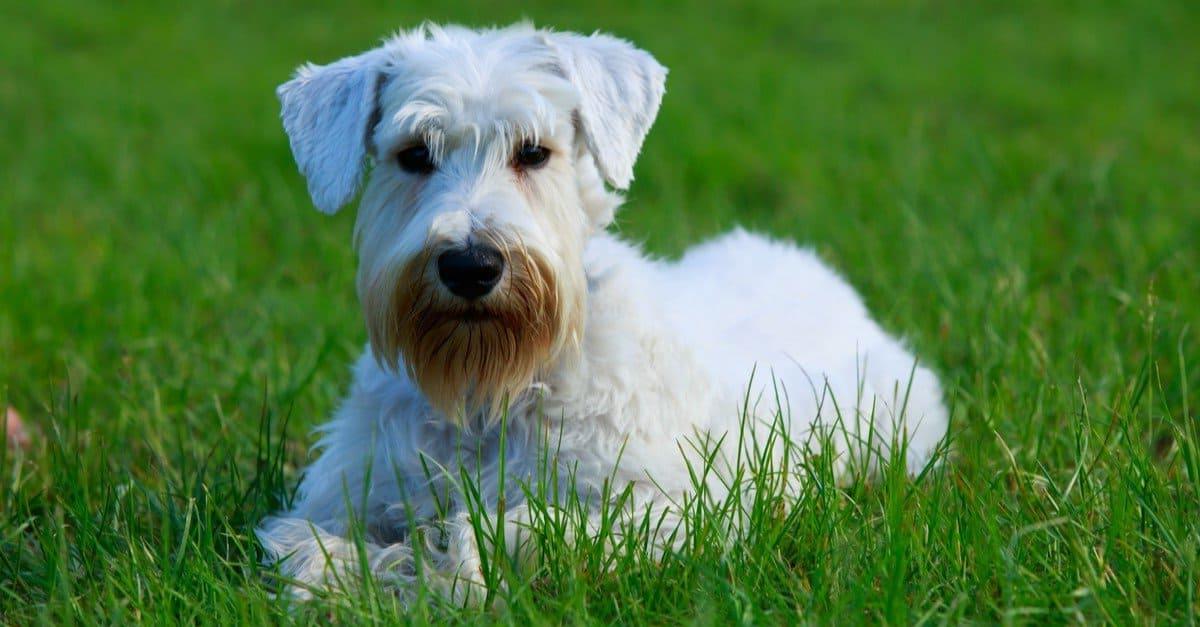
472,325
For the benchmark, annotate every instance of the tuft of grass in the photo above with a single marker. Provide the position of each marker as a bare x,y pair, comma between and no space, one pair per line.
1011,185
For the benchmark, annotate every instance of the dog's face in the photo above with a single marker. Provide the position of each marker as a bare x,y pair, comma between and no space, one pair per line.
490,150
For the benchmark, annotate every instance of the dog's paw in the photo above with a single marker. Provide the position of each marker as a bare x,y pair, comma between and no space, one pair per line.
455,569
311,561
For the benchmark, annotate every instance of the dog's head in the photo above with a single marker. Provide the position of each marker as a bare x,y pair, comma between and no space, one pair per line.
489,152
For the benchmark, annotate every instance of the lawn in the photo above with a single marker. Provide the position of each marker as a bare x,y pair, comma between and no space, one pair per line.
1012,185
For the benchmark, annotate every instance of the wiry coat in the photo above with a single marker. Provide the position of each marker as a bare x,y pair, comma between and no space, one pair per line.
616,362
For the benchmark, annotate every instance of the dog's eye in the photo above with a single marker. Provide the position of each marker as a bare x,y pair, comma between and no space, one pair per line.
531,156
416,159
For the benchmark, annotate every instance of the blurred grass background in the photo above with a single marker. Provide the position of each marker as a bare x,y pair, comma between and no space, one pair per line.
1012,185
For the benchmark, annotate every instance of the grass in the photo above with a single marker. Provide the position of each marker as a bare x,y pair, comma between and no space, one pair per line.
1012,185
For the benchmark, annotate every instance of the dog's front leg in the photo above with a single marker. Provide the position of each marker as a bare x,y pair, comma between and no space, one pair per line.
447,557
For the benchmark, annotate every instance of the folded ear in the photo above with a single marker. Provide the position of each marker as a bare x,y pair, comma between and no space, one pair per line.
620,89
327,111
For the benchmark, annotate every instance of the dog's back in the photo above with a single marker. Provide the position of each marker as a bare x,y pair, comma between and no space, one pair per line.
747,304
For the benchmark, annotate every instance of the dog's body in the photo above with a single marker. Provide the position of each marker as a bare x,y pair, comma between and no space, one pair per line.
548,329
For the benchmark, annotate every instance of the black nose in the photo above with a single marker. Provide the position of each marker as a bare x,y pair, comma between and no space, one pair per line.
471,272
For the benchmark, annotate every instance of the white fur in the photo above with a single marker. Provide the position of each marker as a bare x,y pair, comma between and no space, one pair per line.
663,351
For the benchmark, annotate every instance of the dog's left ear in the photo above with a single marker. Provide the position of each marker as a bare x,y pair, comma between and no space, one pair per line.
327,111
620,89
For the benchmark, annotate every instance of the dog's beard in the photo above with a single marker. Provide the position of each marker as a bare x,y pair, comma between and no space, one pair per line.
470,359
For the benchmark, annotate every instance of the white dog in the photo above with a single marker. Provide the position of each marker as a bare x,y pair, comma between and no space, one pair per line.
500,309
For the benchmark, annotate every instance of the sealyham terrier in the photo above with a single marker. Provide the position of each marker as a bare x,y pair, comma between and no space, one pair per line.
510,331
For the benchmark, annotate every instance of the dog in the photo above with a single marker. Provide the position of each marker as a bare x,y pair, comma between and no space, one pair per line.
504,316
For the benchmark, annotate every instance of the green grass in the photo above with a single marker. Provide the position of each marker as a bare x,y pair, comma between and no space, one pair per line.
1012,185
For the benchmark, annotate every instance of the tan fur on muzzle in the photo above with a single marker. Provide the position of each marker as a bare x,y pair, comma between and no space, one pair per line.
472,357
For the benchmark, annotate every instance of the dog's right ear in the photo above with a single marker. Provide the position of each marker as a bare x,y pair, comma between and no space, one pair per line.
327,112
